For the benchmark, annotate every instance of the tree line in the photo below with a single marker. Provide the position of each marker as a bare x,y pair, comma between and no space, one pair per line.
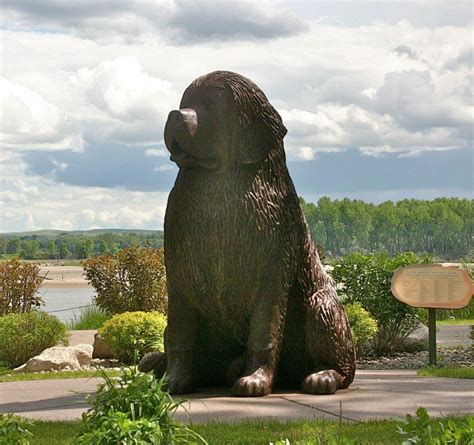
75,246
442,227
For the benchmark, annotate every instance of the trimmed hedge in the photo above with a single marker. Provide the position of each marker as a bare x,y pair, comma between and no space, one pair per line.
132,334
22,336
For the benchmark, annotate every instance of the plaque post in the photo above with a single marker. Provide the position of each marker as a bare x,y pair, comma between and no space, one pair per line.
432,335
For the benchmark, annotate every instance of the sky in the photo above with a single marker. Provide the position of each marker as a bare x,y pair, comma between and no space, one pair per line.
376,96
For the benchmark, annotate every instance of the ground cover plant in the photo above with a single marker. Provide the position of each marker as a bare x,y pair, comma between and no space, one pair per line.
91,317
134,279
8,376
455,373
22,336
380,432
132,334
421,429
14,430
134,408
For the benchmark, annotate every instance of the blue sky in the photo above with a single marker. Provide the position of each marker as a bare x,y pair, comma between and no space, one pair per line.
377,98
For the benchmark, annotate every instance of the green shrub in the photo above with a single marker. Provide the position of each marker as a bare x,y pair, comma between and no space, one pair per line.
132,280
425,431
134,409
23,336
132,334
19,284
91,317
363,326
366,280
14,430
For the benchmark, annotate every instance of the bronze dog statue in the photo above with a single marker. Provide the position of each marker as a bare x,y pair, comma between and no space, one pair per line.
249,300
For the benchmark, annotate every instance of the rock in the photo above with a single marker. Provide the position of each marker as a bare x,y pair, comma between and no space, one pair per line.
60,358
416,341
153,361
83,354
101,349
57,357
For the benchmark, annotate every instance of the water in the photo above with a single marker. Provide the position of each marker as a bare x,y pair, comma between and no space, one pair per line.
61,301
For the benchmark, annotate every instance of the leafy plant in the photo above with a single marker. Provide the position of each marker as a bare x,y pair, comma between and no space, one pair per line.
14,430
92,317
366,279
134,279
134,409
425,431
363,326
19,284
131,334
23,336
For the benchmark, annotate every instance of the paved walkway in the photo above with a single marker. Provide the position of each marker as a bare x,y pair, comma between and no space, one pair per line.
374,394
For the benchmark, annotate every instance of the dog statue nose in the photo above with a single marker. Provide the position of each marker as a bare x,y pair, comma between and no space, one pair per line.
175,116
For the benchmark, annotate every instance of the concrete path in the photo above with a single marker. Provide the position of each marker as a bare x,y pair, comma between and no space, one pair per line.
374,394
82,337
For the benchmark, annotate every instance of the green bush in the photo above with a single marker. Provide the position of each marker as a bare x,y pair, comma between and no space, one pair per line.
363,326
91,317
132,334
425,431
19,284
132,280
366,280
23,336
134,409
14,430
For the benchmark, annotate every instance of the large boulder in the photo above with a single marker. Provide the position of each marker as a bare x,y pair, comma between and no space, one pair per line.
59,358
101,348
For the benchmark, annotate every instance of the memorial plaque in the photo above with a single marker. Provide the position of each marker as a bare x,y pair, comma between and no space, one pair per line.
432,286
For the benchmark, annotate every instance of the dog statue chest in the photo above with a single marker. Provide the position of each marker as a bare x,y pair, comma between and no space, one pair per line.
211,245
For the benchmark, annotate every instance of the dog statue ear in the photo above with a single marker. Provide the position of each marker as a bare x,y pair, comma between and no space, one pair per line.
259,134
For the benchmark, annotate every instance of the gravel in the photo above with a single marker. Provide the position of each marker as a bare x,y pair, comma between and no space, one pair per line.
456,357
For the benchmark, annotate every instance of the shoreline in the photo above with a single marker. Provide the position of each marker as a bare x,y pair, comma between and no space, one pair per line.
63,276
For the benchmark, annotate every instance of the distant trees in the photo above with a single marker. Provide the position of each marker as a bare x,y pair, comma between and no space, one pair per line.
442,227
76,246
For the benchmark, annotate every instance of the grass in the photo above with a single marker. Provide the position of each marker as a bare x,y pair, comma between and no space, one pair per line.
455,373
89,318
469,322
255,433
8,376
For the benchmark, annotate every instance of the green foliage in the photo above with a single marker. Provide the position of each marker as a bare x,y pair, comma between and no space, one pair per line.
132,334
441,227
90,317
9,376
366,280
363,326
14,430
425,431
55,244
134,409
19,284
23,336
132,280
455,373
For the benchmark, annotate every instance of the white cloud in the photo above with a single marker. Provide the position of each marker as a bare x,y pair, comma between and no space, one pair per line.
29,121
111,71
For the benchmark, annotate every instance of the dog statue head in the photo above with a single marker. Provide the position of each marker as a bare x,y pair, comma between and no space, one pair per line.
224,118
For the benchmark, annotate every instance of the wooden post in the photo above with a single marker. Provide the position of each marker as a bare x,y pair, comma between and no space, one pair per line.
432,335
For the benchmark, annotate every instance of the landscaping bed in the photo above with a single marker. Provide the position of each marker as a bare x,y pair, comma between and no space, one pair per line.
456,357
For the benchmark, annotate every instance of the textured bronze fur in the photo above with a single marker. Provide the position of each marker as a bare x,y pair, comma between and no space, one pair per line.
249,300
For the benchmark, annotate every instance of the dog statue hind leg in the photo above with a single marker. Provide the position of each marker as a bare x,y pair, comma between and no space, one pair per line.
328,337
